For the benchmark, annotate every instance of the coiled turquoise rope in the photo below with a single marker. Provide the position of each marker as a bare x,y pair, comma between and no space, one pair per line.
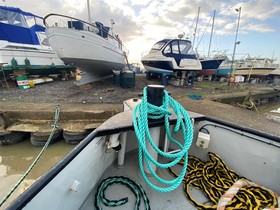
141,113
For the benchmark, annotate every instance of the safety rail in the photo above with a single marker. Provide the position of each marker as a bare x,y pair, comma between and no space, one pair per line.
101,30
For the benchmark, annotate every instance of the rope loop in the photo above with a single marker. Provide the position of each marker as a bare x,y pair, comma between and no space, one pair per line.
133,185
144,111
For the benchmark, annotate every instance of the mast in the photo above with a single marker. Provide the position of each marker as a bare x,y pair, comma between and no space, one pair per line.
89,16
211,34
196,26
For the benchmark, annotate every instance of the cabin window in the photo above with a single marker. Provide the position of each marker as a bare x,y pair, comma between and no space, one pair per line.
185,47
167,49
175,47
13,18
158,46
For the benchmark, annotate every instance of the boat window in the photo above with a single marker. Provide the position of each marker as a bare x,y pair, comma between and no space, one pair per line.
185,47
30,21
12,18
175,47
167,49
158,46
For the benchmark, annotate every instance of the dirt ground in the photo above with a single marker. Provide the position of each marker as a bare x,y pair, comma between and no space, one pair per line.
106,92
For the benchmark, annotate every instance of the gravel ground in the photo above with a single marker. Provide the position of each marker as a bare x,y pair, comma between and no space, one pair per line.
68,92
106,92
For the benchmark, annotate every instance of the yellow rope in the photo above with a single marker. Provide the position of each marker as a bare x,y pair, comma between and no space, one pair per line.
214,178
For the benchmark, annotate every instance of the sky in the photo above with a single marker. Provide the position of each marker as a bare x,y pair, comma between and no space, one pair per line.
141,23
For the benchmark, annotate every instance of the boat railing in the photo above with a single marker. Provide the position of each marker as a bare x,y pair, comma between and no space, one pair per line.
78,24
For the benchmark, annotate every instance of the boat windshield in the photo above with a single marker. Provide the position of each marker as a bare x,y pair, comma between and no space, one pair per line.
19,19
182,47
31,21
12,18
158,45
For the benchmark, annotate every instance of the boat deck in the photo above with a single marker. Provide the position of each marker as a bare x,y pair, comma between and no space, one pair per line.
170,200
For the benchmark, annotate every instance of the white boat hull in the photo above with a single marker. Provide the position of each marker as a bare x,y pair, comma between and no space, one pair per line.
36,54
254,71
86,50
161,64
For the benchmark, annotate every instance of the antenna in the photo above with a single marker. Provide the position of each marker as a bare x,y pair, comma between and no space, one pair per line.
112,23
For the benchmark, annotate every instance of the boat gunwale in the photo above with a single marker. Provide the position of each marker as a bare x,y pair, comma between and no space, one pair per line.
29,194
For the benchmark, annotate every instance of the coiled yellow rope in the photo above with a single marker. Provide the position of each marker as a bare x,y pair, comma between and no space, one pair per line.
214,179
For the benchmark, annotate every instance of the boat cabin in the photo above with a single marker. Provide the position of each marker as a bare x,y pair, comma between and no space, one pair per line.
175,48
18,26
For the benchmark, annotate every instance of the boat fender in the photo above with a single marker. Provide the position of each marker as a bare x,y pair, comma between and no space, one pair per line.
14,63
27,63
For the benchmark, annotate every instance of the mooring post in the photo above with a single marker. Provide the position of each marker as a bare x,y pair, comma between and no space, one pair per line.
154,96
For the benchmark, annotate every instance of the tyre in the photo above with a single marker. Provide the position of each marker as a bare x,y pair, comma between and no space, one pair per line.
39,139
74,137
12,137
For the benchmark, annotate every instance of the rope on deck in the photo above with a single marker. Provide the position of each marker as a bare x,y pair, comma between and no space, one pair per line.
141,113
224,188
134,186
54,127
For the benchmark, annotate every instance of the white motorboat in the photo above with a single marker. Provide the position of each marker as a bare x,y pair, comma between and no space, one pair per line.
156,155
248,67
171,56
92,47
23,44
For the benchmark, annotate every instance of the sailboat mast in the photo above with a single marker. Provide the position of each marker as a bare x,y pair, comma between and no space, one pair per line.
196,25
89,16
210,42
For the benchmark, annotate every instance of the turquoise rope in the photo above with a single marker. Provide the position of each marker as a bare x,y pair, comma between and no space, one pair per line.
141,113
54,127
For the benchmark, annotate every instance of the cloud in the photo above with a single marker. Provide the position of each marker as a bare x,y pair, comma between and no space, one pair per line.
141,23
259,28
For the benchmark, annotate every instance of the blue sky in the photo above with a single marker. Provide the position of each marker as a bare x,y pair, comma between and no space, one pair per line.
141,23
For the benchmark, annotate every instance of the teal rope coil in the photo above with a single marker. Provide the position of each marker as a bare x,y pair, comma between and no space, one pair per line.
134,186
141,113
55,126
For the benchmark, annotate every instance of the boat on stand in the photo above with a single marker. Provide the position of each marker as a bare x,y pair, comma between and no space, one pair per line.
247,67
24,48
90,46
157,155
171,57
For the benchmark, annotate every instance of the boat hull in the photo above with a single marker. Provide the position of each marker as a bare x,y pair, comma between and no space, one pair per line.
35,59
211,63
86,50
210,66
257,72
168,65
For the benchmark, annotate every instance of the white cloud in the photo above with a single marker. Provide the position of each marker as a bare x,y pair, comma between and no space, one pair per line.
141,23
259,28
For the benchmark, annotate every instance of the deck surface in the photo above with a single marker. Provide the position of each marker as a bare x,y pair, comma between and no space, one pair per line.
160,201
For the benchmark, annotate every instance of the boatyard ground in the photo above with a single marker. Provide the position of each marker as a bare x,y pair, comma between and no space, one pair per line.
107,96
